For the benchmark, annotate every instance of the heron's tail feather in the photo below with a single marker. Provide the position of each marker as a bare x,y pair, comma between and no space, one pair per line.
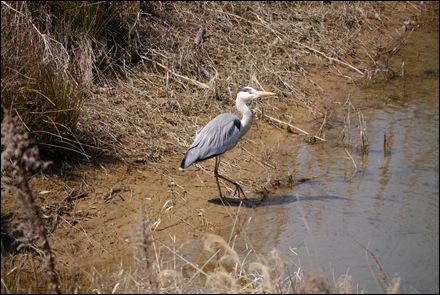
189,158
182,164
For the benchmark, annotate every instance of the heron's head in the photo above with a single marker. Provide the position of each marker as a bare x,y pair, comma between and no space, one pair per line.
248,93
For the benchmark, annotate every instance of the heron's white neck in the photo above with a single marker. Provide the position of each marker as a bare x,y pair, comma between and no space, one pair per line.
246,120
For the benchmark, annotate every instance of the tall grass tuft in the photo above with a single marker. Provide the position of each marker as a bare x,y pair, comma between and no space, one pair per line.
36,83
51,54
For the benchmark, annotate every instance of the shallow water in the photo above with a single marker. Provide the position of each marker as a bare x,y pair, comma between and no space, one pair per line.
389,206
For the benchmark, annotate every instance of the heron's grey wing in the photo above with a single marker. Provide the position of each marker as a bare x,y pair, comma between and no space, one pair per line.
219,135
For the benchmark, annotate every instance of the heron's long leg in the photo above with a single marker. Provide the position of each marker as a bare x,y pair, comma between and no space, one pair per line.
217,163
217,175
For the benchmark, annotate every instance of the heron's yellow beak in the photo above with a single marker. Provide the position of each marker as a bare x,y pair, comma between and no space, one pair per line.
264,93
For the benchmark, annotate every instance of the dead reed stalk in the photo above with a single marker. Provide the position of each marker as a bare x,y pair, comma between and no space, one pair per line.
20,158
346,136
384,281
148,251
346,131
362,133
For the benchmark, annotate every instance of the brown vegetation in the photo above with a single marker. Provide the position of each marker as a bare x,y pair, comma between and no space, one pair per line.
117,76
20,158
134,81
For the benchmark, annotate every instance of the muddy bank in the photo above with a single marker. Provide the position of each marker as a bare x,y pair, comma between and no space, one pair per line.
93,210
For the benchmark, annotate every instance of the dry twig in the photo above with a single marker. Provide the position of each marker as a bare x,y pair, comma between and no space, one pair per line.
290,125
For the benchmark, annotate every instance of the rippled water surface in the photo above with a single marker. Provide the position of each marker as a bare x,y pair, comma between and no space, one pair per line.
389,206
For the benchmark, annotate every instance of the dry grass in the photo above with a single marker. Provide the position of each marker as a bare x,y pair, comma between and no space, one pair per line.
36,85
50,52
137,80
184,79
126,78
224,270
353,141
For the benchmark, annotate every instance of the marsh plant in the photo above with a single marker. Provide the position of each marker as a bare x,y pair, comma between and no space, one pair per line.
19,160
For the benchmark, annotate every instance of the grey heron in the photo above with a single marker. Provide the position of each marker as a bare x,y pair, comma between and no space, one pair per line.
222,134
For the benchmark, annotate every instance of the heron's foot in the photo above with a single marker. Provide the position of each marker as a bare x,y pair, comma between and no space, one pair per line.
239,191
262,199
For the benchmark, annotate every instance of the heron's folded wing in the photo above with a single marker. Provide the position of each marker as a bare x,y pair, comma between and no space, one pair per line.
219,135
